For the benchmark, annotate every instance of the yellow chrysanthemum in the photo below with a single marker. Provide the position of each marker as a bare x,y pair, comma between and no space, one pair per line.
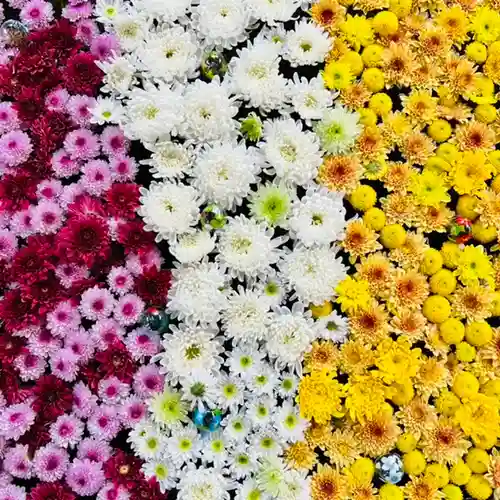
474,266
353,294
300,456
429,189
328,484
396,360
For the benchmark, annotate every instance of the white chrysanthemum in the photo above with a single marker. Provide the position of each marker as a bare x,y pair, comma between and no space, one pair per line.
249,489
199,389
106,111
147,441
312,273
166,11
171,53
169,160
118,74
184,445
224,172
244,360
271,203
130,28
310,98
241,465
273,290
265,443
152,113
197,293
190,349
221,23
248,248
275,34
271,476
208,112
260,410
163,471
246,316
319,217
199,483
307,44
270,12
289,335
192,246
106,10
236,428
338,130
288,384
263,380
215,449
297,486
255,76
169,209
231,392
332,327
289,423
293,153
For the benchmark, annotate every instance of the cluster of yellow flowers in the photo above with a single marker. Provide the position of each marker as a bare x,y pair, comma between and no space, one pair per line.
419,375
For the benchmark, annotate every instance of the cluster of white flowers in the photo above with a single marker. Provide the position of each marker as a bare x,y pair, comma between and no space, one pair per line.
254,237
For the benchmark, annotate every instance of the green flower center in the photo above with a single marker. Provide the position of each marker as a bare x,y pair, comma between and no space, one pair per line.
317,219
192,352
288,152
290,421
151,112
198,389
306,46
331,326
161,472
230,390
243,460
217,446
152,443
287,384
245,361
186,444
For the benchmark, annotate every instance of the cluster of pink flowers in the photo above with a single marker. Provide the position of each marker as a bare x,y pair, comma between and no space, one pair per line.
77,271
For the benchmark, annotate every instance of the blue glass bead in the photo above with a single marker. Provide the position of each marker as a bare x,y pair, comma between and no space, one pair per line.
390,468
155,319
13,31
207,420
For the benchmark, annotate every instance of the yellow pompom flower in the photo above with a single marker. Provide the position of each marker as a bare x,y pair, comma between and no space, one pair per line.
432,262
320,397
485,113
374,79
439,130
391,492
380,103
483,234
362,470
436,308
437,474
374,218
466,206
452,331
393,236
452,492
363,198
337,75
407,442
460,473
354,61
476,52
479,488
353,294
478,333
465,352
443,282
414,463
486,25
372,55
447,403
465,385
477,460
320,311
451,253
385,23
357,30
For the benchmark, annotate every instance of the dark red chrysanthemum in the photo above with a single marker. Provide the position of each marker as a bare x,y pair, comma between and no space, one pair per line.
147,490
82,75
34,261
123,200
52,396
36,67
49,131
9,382
17,192
123,469
10,347
16,311
85,205
51,491
83,240
43,295
133,237
38,434
116,361
29,103
153,285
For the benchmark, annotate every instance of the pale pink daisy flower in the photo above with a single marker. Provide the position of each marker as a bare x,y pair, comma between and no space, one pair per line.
63,165
9,120
69,273
120,280
105,46
81,344
64,364
113,141
113,492
12,492
43,343
78,107
48,217
86,30
128,309
78,11
112,390
95,450
8,244
63,319
17,462
137,264
67,431
30,366
15,420
123,168
57,99
105,332
143,342
70,194
84,402
148,381
49,189
15,147
82,144
96,303
96,177
50,463
37,14
132,411
84,477
104,423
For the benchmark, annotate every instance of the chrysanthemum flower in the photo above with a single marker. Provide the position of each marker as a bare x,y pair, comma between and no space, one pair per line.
378,434
340,173
328,484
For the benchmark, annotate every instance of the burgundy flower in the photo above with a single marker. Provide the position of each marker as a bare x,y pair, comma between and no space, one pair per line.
43,295
34,261
10,347
49,131
153,285
17,191
82,75
39,165
123,469
29,103
116,361
16,311
51,491
85,205
133,237
38,434
53,397
123,200
9,383
147,490
36,67
84,239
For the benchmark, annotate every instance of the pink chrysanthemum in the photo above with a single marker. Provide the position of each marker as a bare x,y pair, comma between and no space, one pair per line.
30,366
104,45
96,303
15,420
43,343
86,30
15,147
66,431
69,273
128,309
120,280
104,422
113,492
79,107
9,120
106,332
112,390
137,264
50,463
82,144
21,223
63,319
81,344
70,194
48,217
37,14
123,168
84,402
8,244
17,462
12,492
132,411
148,381
113,141
63,165
49,189
56,100
84,477
96,177
77,11
94,450
142,342
64,364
